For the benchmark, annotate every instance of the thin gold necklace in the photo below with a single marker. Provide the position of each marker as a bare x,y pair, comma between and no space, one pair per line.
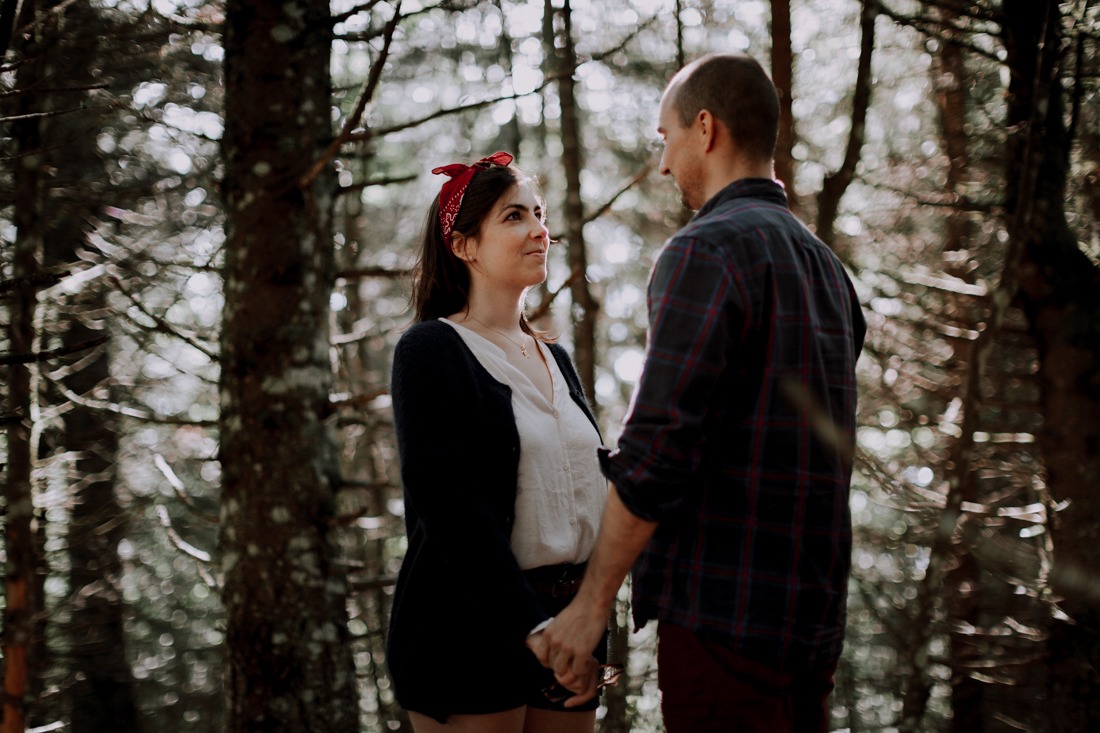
522,345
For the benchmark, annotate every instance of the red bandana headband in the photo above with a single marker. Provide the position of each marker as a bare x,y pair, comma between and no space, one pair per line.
450,196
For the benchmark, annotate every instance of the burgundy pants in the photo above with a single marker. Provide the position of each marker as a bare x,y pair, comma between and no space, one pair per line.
706,688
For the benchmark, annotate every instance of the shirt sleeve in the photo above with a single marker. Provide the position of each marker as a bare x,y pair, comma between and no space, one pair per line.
696,318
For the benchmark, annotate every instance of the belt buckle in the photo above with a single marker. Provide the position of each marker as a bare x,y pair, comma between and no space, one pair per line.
563,587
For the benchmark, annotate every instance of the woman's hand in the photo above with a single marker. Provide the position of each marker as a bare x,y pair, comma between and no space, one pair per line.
584,686
565,645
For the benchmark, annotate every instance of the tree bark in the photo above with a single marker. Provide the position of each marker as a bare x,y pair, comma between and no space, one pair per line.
681,54
783,78
100,693
949,71
835,184
962,581
585,308
1059,290
289,657
23,563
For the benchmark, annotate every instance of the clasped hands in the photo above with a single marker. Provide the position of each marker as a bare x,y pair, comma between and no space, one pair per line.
565,646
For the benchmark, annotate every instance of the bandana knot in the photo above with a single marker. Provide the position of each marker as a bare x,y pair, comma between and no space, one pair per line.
450,196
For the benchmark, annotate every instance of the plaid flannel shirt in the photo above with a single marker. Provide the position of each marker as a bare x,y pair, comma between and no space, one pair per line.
741,430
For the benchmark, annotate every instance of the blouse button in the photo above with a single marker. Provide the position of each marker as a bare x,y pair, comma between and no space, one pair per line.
555,413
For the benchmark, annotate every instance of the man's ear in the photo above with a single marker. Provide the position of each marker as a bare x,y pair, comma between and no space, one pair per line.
462,246
706,126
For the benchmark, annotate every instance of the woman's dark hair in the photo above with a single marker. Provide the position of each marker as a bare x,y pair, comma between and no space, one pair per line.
441,282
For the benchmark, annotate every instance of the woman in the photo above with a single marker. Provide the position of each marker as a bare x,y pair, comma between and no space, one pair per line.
498,458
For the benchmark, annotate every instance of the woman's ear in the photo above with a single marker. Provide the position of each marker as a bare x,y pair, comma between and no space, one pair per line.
462,246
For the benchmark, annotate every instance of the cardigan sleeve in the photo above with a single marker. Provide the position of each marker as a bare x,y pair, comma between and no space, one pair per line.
573,381
444,453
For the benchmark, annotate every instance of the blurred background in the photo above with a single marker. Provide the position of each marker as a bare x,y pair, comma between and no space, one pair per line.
948,151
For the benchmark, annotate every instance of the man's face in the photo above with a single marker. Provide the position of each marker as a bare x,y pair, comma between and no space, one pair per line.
682,155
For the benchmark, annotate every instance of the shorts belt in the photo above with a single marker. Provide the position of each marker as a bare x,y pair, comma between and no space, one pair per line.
556,581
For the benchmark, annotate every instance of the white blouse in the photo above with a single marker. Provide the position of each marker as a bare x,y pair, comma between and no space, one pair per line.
560,491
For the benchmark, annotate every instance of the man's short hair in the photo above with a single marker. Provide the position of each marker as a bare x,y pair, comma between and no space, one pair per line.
738,92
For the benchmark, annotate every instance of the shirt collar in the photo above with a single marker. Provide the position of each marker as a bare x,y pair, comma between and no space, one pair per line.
757,188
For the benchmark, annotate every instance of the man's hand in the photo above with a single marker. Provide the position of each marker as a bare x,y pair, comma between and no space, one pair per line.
583,688
566,646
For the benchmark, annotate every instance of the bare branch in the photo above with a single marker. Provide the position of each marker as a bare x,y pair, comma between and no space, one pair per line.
365,96
34,115
359,400
125,411
944,199
626,41
939,29
449,7
44,90
544,307
164,325
181,544
965,9
354,10
345,190
44,17
447,111
362,272
180,490
375,583
37,357
835,184
32,282
637,178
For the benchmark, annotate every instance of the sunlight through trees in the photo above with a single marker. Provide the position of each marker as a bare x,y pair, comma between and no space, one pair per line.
208,217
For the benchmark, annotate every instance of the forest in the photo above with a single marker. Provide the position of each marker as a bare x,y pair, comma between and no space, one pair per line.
208,214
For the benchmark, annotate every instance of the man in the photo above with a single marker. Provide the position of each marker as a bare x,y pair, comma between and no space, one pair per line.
730,480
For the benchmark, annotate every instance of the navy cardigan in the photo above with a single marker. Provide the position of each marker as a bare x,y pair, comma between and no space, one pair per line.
462,608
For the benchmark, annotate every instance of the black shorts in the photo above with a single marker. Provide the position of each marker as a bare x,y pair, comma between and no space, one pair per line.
516,681
542,677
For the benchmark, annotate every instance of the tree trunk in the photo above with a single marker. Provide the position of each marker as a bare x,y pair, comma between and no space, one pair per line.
1059,290
584,309
962,580
835,184
681,54
100,694
949,71
783,78
289,657
510,133
22,562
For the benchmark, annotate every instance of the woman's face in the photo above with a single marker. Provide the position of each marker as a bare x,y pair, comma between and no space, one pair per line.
510,250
